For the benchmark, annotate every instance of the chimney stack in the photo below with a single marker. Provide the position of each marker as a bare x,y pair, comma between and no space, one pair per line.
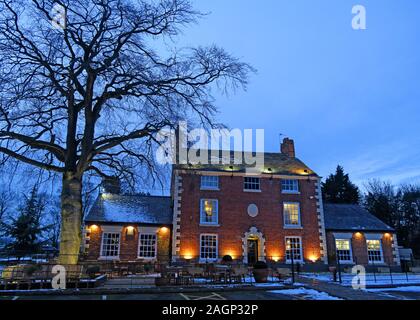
288,147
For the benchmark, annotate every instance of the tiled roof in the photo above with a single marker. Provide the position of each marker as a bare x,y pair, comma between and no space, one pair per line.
139,209
279,163
351,217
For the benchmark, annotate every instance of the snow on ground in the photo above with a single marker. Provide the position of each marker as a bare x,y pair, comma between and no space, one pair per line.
400,289
309,294
371,279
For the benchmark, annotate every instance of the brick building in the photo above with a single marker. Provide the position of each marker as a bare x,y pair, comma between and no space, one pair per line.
128,227
219,209
354,236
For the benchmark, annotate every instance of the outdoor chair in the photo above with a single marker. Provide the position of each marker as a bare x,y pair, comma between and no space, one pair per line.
194,272
239,273
282,273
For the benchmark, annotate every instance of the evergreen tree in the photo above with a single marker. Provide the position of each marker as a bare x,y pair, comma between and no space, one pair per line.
339,189
25,230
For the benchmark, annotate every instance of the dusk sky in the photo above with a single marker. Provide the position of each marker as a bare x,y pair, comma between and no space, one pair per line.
346,97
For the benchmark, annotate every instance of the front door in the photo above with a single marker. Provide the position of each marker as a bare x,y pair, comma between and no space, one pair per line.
252,251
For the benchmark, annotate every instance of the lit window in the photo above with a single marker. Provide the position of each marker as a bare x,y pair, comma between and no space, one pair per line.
374,251
251,184
210,182
293,247
290,186
208,247
147,246
291,214
343,248
110,247
209,211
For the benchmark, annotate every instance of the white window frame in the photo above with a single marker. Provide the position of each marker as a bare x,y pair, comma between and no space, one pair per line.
292,226
117,257
293,191
217,247
381,251
350,249
300,249
202,213
203,186
139,245
254,183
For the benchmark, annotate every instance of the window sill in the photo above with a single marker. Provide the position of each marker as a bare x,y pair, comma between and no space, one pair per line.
209,225
209,189
204,260
255,191
290,192
294,261
109,258
293,227
146,258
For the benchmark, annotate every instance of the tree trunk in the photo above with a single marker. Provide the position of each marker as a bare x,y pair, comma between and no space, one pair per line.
71,219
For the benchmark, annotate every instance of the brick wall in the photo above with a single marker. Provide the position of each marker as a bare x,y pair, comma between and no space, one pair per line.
359,248
129,243
234,220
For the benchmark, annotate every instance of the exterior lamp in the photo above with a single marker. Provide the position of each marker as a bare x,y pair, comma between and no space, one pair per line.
164,230
93,228
130,231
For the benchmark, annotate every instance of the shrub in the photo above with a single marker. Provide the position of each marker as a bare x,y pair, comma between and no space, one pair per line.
92,271
227,258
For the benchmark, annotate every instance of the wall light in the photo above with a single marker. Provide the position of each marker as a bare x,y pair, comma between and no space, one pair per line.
130,231
93,228
164,230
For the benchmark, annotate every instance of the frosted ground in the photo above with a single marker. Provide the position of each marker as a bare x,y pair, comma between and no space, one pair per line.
371,279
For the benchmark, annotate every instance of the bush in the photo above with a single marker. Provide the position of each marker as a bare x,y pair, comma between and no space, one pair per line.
260,265
92,271
30,270
227,258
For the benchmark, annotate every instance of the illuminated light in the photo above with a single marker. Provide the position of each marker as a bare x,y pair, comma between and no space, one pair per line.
130,231
313,258
230,253
358,234
188,257
164,230
276,259
388,236
93,228
208,208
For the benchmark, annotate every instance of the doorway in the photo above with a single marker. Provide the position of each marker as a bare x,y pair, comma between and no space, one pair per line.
252,250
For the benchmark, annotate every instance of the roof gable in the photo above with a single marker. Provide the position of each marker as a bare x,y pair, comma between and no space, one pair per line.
113,208
351,217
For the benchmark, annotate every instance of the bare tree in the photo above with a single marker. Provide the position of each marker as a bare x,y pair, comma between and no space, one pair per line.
90,97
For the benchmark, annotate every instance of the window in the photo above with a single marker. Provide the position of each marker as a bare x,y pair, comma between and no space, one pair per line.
209,211
293,247
291,214
147,246
110,247
343,248
251,184
208,247
209,182
374,251
290,186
